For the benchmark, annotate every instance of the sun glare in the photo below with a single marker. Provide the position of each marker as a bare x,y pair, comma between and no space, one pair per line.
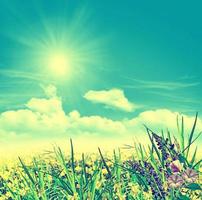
58,64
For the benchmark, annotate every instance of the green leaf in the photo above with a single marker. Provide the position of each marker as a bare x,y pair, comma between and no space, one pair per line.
184,197
182,159
197,164
194,186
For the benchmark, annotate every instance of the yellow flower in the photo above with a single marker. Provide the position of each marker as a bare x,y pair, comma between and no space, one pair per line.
74,197
78,168
63,173
135,189
147,195
121,196
117,186
104,171
89,171
98,184
6,175
89,163
109,163
50,178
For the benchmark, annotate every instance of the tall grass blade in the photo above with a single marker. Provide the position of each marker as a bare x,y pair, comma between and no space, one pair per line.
153,144
193,157
27,171
191,135
104,162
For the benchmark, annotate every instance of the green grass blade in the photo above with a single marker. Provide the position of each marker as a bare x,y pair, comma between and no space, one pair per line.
192,141
153,144
27,171
182,134
191,135
104,162
193,157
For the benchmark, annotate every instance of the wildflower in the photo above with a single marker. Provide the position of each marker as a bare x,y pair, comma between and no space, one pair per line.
104,171
63,173
78,168
190,175
89,171
89,163
135,189
98,184
176,166
167,149
117,186
152,178
161,143
109,163
147,195
121,196
50,178
74,197
175,181
154,181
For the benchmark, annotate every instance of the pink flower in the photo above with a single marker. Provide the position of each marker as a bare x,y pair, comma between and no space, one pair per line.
176,166
190,175
175,181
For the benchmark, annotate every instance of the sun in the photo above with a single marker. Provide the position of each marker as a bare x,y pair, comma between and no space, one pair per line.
58,64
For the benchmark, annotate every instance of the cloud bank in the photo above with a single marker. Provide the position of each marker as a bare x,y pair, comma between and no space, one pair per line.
45,117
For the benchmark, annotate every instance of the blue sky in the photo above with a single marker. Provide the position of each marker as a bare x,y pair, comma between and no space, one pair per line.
127,60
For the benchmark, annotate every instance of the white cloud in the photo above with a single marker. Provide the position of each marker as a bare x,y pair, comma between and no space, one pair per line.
38,118
45,106
95,125
46,117
163,119
113,98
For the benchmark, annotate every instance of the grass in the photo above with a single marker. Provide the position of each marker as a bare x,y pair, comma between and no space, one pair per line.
165,169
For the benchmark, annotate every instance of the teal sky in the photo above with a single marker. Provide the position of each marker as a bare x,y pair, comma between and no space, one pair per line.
150,50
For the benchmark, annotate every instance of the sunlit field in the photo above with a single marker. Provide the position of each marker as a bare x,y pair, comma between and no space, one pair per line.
167,168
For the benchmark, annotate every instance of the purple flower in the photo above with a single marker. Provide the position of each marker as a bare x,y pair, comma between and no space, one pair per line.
190,175
166,148
176,166
146,170
175,181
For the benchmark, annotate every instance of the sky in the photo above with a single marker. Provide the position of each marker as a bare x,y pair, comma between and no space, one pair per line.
98,69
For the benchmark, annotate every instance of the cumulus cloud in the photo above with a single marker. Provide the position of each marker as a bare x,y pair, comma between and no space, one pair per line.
163,119
45,117
40,116
114,98
95,125
45,106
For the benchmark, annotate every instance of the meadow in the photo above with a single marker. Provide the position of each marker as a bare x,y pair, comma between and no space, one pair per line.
167,168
